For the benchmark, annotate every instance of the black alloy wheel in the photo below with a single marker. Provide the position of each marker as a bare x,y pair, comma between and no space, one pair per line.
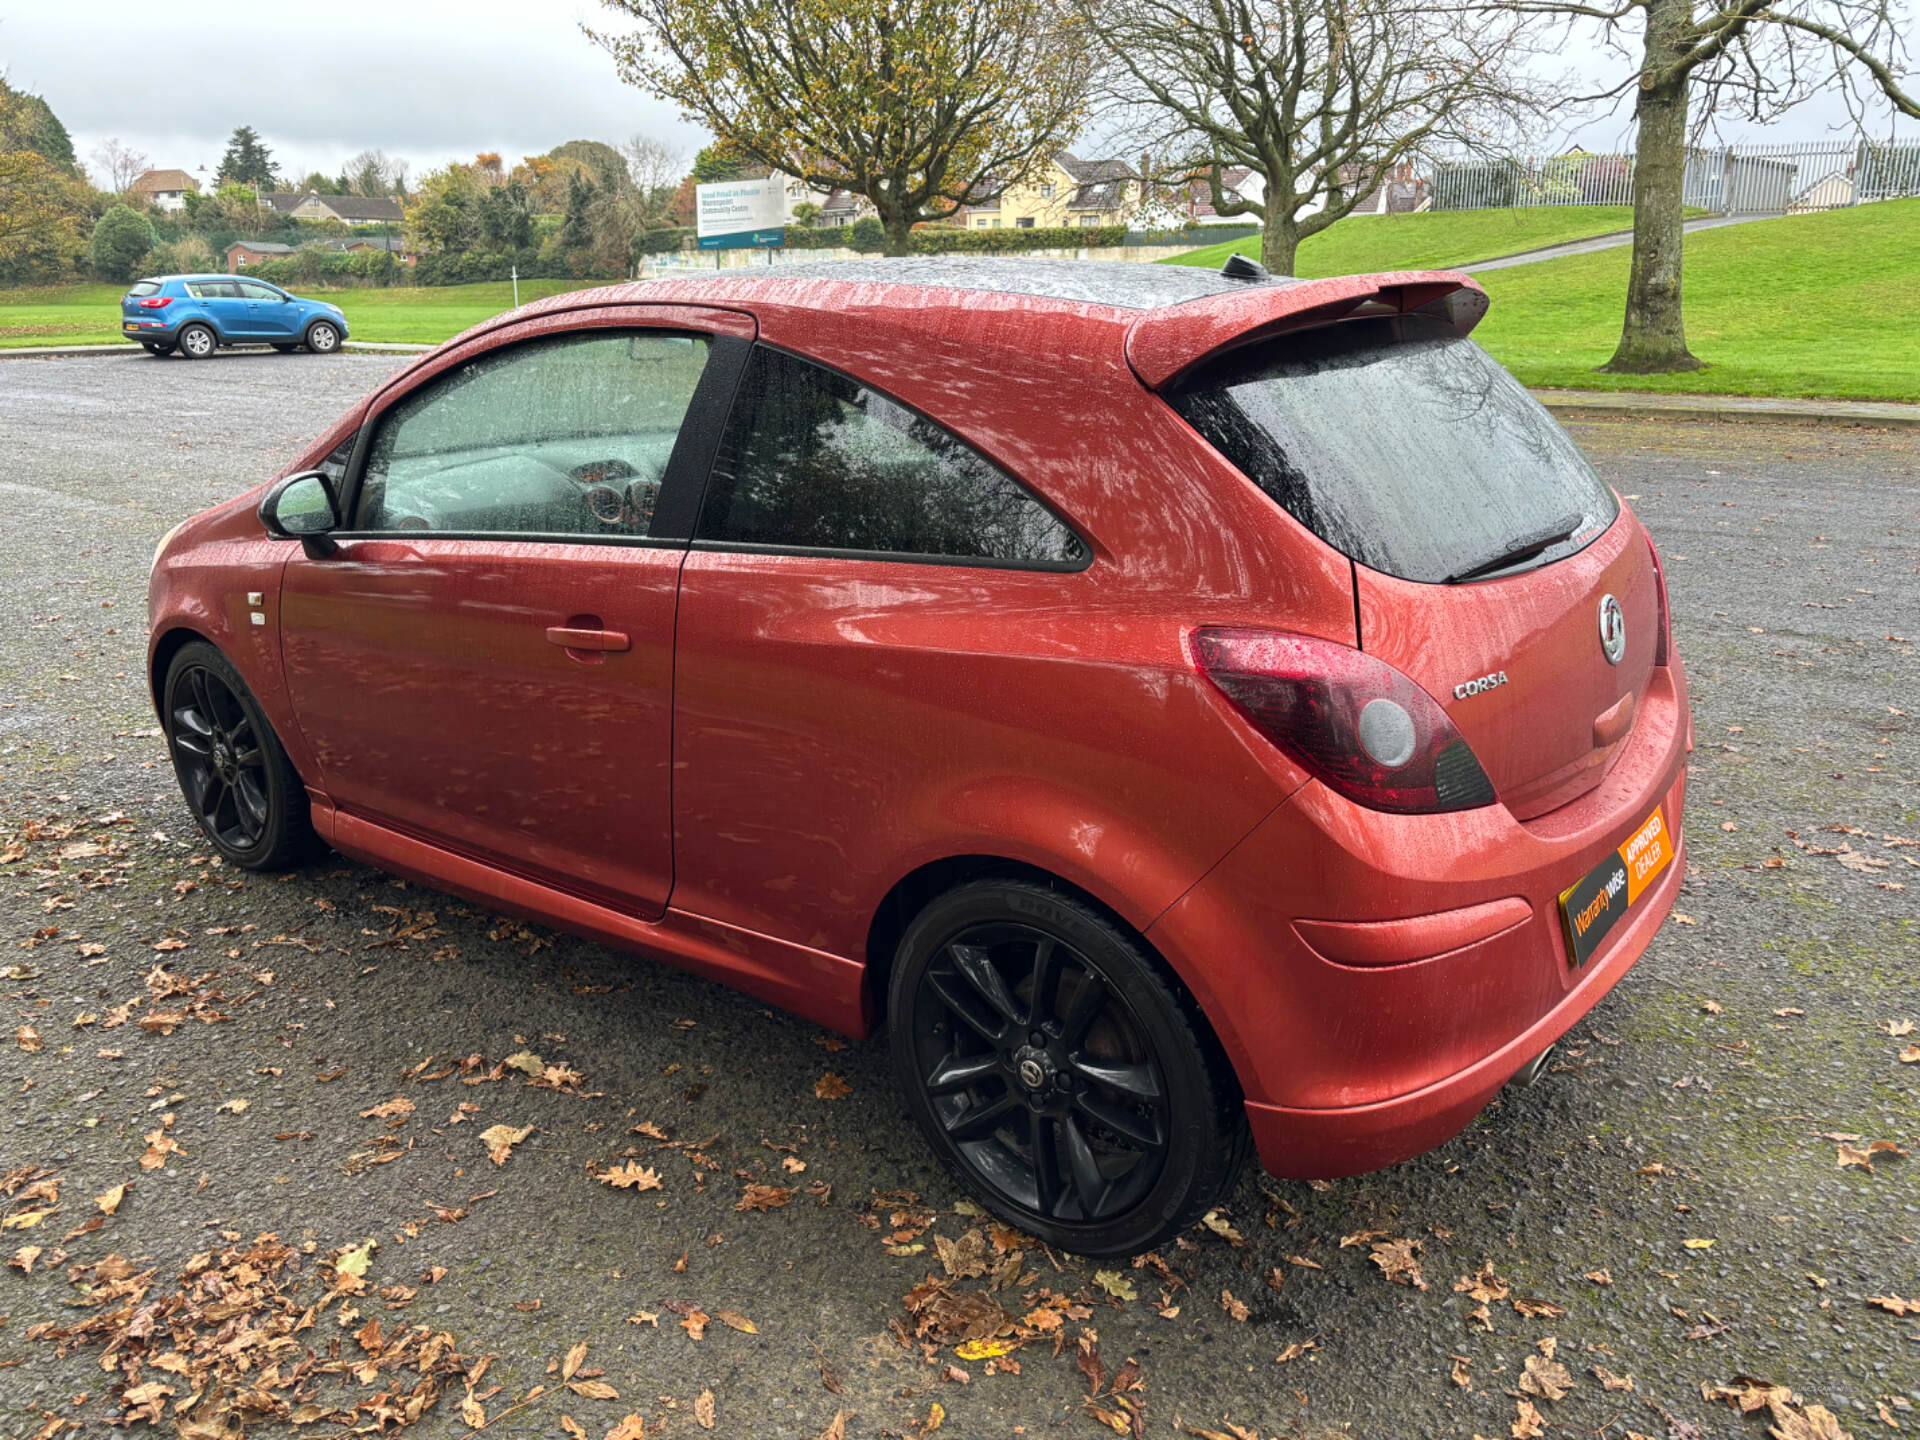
236,778
1057,1072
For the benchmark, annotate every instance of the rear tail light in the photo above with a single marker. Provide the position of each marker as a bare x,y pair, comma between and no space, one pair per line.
1663,635
156,302
1354,722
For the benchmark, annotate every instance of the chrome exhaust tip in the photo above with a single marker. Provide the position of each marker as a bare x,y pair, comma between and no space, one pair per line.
1531,1072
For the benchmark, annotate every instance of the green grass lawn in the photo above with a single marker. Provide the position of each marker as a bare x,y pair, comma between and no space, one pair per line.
90,314
1431,241
1823,305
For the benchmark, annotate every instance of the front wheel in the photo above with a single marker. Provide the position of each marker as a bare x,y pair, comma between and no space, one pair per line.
1057,1071
238,781
197,342
323,338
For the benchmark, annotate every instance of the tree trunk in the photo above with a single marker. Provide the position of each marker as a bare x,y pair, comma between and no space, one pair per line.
1653,338
1279,238
899,228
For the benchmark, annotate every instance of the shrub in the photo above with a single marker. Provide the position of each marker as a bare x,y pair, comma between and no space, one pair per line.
867,235
121,241
661,241
188,255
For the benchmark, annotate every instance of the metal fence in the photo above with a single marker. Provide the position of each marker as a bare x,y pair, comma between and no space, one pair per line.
1748,179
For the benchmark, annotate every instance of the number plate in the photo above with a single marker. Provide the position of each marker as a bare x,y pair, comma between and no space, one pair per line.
131,325
1591,909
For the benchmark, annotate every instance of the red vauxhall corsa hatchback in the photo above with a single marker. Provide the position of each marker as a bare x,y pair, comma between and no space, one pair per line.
1189,711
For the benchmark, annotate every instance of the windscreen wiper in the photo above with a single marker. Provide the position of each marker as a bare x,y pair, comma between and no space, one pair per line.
1552,533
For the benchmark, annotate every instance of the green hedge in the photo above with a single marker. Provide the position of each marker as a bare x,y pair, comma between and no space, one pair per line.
1000,242
948,240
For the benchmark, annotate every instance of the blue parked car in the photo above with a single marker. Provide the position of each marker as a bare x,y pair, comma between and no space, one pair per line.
194,314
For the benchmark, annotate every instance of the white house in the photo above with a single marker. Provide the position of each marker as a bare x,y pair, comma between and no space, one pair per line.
164,189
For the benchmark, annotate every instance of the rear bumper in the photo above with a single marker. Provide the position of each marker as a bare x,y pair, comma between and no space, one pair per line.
151,332
1324,1144
1376,978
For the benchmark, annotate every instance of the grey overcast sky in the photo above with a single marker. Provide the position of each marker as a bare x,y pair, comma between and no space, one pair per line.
429,80
426,80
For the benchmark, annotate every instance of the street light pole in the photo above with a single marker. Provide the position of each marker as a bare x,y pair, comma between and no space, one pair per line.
515,268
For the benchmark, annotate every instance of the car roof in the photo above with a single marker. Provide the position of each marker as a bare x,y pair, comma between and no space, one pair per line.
1124,285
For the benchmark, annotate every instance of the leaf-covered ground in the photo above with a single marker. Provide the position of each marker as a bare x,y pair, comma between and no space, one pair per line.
292,1155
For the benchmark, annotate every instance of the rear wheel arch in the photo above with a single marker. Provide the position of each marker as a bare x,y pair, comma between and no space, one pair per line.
920,887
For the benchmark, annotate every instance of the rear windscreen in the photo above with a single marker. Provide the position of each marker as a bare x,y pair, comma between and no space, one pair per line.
1404,446
145,287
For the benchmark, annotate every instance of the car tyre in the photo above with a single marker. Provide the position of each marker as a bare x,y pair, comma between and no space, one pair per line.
242,789
1058,1070
197,342
155,347
323,337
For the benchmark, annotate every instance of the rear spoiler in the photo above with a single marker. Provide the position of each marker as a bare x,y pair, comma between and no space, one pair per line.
1165,345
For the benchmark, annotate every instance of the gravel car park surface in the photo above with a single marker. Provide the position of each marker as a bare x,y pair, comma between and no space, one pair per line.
1671,1203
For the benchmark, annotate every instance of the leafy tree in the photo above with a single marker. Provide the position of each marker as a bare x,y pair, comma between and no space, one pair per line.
121,240
445,215
922,106
323,184
28,123
247,161
717,163
606,165
1321,98
1759,56
805,213
43,213
576,230
506,219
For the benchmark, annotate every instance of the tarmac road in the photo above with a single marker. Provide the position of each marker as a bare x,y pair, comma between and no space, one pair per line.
1757,1025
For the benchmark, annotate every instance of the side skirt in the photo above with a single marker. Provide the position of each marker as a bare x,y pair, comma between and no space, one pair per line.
826,989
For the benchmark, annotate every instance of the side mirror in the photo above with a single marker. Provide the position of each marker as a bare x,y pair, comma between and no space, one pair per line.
303,507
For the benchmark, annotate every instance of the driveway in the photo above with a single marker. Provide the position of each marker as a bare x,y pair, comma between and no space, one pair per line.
729,1209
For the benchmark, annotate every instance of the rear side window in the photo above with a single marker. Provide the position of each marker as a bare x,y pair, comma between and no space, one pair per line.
1404,446
144,287
815,460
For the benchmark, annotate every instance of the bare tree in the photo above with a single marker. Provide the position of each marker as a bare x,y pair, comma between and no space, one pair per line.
375,173
1322,98
1756,57
922,106
654,164
121,165
656,168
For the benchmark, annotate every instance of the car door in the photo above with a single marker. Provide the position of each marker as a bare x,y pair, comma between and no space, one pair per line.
224,306
486,661
270,314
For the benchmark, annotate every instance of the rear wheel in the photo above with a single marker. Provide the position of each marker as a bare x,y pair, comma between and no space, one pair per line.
1057,1071
237,780
197,342
323,338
